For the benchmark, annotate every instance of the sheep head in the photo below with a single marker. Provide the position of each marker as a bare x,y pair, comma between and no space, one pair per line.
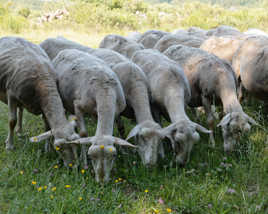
62,136
148,135
102,153
233,125
183,134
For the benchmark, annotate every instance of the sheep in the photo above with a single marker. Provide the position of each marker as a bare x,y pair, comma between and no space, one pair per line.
135,36
27,81
198,32
135,87
149,134
121,45
223,30
169,40
212,78
150,37
254,31
88,86
170,91
225,48
250,60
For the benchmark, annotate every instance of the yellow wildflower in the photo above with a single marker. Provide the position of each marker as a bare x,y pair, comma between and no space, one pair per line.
101,146
67,186
155,210
51,196
70,164
120,179
82,171
54,189
40,189
57,148
146,190
56,167
35,139
80,198
33,182
111,150
45,187
116,181
169,210
21,172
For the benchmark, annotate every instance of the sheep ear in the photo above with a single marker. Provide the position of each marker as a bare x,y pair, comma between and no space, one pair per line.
41,137
201,128
251,120
72,119
121,142
226,119
167,130
82,141
134,132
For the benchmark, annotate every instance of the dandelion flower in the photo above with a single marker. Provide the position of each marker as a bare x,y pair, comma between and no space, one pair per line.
45,187
51,196
54,189
120,179
57,148
67,186
155,210
33,182
101,146
169,210
70,164
82,171
111,150
56,167
116,181
35,139
21,172
40,189
146,190
80,198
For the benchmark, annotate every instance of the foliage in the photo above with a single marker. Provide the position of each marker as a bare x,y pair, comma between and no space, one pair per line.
25,12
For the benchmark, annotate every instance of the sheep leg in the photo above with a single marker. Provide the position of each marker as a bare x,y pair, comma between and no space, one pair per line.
240,92
19,126
82,132
120,127
210,118
47,144
12,120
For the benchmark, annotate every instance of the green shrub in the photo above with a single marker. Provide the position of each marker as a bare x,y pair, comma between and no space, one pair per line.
25,12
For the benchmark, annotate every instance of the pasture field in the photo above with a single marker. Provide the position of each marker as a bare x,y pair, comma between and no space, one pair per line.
32,181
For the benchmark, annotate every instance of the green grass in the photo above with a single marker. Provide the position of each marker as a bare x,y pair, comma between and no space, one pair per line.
204,186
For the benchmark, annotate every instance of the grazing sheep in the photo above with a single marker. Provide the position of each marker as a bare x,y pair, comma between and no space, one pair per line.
123,45
225,48
212,79
170,91
166,41
27,81
223,30
134,82
88,86
251,61
198,32
256,32
135,86
135,36
150,37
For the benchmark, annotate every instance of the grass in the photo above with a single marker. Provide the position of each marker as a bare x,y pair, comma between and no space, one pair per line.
213,182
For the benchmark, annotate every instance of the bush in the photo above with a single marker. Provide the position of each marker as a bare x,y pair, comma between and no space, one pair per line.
25,12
